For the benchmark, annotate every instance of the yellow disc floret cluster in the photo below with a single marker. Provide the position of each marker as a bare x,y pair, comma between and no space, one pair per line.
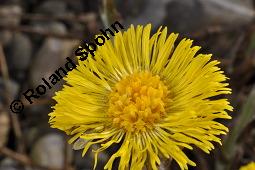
138,101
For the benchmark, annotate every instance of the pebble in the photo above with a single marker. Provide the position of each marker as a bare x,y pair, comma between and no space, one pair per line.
5,37
144,12
46,26
201,14
52,7
49,58
185,22
10,10
12,85
9,164
49,151
77,6
198,15
20,52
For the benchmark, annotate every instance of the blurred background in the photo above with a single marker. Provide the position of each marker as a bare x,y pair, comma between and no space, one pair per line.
36,36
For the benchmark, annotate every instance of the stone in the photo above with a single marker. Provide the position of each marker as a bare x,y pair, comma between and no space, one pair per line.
77,6
46,26
202,14
10,10
9,164
53,7
49,58
5,37
12,85
49,151
186,16
20,52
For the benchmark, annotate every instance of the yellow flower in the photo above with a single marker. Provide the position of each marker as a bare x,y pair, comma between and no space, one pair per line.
147,96
250,166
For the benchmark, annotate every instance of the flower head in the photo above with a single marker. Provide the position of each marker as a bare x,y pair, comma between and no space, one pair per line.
250,166
147,96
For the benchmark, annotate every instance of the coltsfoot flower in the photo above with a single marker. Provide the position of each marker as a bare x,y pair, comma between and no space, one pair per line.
147,96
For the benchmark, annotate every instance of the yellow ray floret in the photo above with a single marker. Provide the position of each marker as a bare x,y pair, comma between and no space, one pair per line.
250,166
146,95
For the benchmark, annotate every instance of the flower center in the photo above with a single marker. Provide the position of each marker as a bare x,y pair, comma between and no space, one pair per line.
137,102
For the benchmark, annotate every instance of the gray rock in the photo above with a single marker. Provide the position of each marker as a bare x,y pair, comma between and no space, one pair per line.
5,37
227,12
49,58
246,3
10,15
76,5
48,26
187,16
187,21
49,151
21,51
9,164
9,168
144,11
12,86
53,27
53,7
